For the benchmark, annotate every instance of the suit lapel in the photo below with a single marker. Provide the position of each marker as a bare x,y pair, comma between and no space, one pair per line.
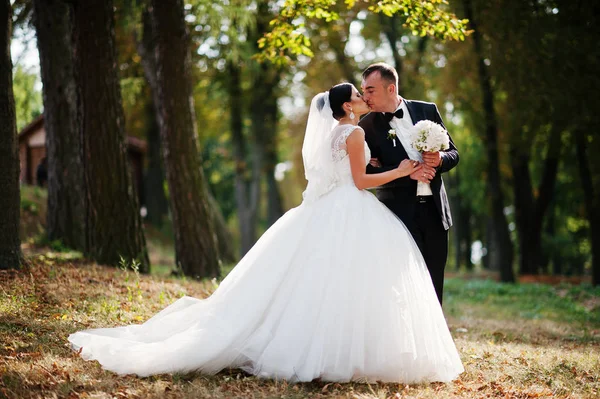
413,110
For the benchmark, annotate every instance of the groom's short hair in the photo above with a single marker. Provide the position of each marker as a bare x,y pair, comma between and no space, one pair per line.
387,72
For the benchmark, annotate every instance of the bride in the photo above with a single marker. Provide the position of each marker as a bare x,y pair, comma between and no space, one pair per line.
336,289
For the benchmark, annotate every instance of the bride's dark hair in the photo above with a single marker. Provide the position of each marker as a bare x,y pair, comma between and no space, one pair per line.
338,95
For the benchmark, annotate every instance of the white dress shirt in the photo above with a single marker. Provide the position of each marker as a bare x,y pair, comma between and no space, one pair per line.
402,127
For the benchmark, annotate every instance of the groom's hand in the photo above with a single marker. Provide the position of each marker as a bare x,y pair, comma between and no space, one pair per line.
432,158
375,163
425,174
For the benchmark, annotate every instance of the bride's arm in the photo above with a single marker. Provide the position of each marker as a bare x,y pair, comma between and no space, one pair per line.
355,144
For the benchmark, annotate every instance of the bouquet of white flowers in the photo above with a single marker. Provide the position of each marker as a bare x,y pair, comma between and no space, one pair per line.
427,135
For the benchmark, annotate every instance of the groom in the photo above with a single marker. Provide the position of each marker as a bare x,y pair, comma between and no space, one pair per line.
420,199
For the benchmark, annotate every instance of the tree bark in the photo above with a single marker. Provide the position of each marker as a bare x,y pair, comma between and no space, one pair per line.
66,190
196,246
156,199
10,244
530,210
113,222
247,176
264,119
274,201
523,197
264,131
501,258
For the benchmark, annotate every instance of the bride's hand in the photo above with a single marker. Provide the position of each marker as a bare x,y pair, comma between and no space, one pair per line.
408,166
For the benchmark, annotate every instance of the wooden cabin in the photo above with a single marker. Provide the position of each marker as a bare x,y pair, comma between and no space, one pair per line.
32,149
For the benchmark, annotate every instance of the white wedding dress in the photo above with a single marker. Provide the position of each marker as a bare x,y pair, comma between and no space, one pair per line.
336,289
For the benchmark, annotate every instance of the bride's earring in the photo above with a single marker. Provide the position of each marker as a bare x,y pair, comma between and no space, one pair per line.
351,114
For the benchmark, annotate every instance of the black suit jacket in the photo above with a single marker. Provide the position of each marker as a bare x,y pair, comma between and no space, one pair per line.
404,189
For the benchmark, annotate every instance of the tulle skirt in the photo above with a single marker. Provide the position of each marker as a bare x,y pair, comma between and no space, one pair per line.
336,289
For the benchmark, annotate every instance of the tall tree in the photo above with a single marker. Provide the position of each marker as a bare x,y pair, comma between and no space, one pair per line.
247,175
155,194
113,222
156,200
10,244
530,205
264,115
66,190
501,257
196,248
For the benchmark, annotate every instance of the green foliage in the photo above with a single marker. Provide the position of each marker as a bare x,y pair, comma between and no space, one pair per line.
423,17
288,40
28,99
131,89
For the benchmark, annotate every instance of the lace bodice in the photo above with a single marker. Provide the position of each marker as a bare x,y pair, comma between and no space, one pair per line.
335,170
339,150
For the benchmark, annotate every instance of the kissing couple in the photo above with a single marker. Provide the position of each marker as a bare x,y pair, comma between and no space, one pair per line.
345,287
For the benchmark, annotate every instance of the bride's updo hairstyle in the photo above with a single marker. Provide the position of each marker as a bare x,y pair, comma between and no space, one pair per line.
338,95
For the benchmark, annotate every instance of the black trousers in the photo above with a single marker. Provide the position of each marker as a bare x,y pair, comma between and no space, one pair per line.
425,225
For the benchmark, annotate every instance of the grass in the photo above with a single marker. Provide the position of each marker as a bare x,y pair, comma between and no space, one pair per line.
516,341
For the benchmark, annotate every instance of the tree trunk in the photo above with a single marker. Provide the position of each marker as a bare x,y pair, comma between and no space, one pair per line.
523,198
502,258
113,222
530,211
66,190
274,201
196,246
156,200
10,244
247,177
591,201
264,117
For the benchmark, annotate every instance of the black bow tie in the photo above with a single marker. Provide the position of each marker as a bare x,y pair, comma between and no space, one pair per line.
389,115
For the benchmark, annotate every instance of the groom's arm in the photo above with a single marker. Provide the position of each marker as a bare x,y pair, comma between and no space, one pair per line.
367,125
450,157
